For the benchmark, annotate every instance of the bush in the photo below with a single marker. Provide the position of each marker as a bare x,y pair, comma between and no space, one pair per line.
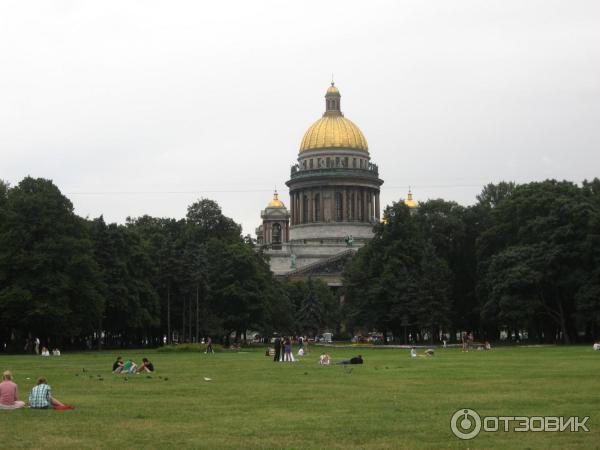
199,348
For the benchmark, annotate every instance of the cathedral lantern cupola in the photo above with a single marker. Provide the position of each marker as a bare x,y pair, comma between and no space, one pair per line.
332,101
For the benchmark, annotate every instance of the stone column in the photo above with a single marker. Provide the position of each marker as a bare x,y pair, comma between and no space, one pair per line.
310,206
321,205
377,207
365,216
295,208
345,205
301,201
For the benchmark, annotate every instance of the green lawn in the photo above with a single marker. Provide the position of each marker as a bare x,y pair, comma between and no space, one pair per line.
392,401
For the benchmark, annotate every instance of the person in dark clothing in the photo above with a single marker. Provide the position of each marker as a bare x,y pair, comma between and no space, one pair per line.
356,360
209,347
277,345
118,365
146,366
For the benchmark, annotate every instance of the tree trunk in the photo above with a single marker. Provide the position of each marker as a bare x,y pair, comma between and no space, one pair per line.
169,340
197,314
100,334
190,320
183,320
563,324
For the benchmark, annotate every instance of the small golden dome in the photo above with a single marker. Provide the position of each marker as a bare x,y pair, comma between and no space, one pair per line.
275,203
333,131
332,89
410,202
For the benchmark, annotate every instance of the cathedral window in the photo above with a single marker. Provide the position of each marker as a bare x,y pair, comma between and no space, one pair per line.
304,208
276,240
339,210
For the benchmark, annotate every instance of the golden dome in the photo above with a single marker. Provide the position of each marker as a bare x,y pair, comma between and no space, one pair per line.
410,202
333,130
275,203
332,89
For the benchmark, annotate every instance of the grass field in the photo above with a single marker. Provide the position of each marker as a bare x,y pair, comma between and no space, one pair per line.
392,401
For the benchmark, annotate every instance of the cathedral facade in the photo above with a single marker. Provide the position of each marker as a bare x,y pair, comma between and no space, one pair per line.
334,201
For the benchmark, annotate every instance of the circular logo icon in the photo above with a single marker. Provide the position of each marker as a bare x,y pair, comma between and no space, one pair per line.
465,424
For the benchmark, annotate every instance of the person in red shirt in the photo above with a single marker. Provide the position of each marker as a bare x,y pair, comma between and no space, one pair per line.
9,393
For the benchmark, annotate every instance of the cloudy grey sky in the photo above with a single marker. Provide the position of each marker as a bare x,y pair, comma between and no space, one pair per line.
141,107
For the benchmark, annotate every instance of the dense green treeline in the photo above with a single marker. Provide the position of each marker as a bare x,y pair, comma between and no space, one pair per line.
524,260
75,282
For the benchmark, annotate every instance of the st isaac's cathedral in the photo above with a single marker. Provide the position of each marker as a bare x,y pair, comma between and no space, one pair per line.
334,201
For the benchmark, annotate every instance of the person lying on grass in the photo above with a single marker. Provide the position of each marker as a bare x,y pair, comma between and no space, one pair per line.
41,396
146,366
356,360
9,393
428,352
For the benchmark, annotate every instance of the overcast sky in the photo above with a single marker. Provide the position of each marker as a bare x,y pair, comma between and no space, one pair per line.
136,108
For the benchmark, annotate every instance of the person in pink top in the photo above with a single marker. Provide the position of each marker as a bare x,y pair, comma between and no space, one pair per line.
9,393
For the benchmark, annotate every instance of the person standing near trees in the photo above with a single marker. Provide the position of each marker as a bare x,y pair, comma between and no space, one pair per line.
209,347
287,351
277,346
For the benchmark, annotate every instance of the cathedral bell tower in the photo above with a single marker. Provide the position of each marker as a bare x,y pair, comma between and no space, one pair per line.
275,228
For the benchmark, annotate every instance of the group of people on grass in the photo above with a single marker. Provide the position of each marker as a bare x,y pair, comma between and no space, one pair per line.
283,349
129,366
39,398
46,352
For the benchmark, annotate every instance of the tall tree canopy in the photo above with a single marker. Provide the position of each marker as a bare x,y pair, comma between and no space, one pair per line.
50,284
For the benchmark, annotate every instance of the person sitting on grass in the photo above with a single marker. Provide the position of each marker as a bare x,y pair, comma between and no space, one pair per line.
129,366
356,360
118,365
429,352
597,346
41,396
146,366
9,393
413,352
324,359
45,352
56,352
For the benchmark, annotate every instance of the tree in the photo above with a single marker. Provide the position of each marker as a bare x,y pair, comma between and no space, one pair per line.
209,221
310,313
544,233
49,280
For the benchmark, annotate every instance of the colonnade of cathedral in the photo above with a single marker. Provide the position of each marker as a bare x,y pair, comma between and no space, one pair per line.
340,204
